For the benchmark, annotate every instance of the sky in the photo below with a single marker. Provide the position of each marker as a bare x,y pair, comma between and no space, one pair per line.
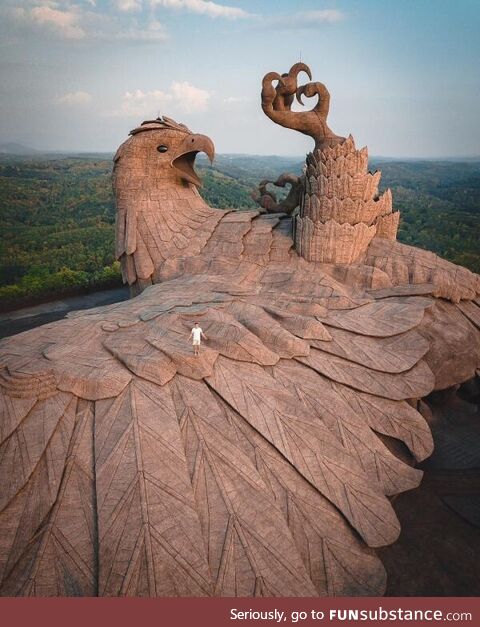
78,75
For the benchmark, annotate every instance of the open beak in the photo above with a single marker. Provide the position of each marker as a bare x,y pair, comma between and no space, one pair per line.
184,158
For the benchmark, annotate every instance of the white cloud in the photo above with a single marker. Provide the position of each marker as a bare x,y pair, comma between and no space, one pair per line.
75,98
307,19
144,104
154,32
190,98
128,5
85,21
81,23
321,16
235,99
203,7
64,22
182,97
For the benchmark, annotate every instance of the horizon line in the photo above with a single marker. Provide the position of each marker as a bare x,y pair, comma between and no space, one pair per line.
31,152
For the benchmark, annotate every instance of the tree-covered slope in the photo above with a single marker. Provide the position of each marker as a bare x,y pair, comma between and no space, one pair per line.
439,203
57,215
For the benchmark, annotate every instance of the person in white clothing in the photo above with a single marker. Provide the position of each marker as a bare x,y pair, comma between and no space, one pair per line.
196,334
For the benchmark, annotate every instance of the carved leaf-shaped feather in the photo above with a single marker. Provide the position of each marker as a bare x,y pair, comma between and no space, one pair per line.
61,560
246,536
146,512
135,468
33,463
307,444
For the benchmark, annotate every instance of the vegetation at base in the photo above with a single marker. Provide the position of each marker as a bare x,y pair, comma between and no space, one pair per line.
439,203
56,219
57,215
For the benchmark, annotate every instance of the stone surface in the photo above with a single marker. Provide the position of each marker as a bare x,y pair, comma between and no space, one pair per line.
408,265
277,102
340,210
266,465
268,199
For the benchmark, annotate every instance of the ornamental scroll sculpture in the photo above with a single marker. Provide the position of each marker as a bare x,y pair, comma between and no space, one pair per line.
277,102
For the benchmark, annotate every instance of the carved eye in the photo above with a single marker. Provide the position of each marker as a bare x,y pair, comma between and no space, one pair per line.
162,148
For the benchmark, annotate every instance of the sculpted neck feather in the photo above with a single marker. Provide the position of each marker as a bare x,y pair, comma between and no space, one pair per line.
160,214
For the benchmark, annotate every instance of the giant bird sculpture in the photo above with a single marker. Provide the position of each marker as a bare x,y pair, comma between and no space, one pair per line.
266,465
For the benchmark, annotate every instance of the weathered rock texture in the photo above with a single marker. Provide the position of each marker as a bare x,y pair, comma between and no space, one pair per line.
268,199
160,216
340,211
261,467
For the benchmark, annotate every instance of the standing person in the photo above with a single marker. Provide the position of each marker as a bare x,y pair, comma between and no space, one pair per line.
196,334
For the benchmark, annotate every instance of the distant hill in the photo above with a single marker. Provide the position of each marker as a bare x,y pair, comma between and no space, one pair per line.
11,148
57,215
251,169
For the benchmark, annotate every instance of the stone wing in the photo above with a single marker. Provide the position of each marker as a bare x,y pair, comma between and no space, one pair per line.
262,467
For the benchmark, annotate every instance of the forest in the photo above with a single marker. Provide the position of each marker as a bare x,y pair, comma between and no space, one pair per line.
57,215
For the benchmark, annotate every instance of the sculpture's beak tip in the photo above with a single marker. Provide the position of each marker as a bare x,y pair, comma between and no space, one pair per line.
184,158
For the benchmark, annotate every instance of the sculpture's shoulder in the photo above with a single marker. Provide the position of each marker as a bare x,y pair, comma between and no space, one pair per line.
407,265
247,240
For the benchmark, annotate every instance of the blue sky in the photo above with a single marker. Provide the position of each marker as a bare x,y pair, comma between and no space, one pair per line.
79,74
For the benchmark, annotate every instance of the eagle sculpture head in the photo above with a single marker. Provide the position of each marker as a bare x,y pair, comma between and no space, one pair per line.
160,213
160,146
